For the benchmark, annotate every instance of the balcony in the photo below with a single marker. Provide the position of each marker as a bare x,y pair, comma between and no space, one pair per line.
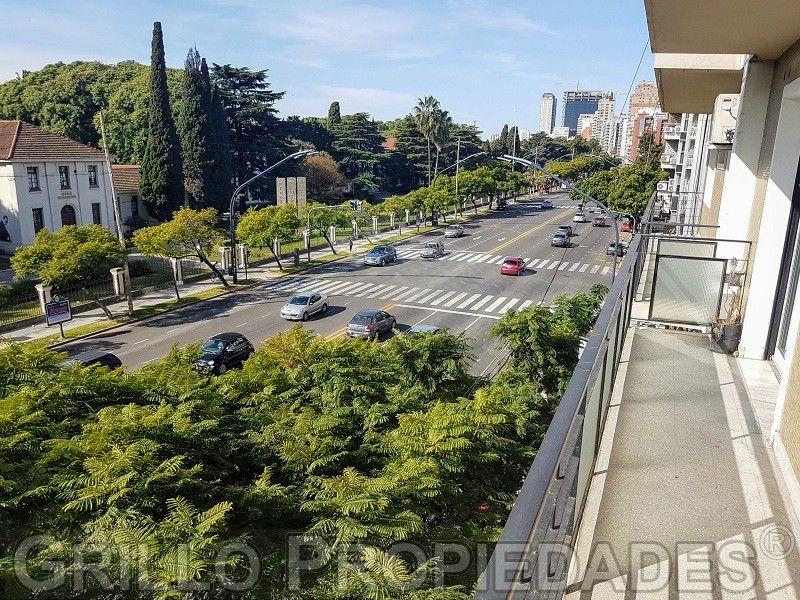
668,160
655,477
672,131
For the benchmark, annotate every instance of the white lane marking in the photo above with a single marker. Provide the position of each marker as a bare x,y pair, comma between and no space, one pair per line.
394,292
346,290
482,302
455,299
339,287
483,258
406,293
606,270
430,313
473,322
493,306
466,257
417,295
584,266
242,324
574,266
441,299
476,237
327,287
563,266
500,239
527,260
476,258
451,312
141,341
378,290
367,289
173,330
469,301
151,360
509,306
429,297
553,265
525,304
497,260
595,269
456,256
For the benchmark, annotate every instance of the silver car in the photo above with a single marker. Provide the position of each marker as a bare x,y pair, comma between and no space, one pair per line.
454,231
303,305
432,250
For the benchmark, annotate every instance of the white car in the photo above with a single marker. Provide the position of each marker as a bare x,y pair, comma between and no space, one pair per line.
454,231
303,305
579,217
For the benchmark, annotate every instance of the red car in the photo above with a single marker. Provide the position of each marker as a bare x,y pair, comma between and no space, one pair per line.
512,265
625,227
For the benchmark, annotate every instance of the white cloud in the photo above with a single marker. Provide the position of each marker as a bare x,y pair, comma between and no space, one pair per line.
479,15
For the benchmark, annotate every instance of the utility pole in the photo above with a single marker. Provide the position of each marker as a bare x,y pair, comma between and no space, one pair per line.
458,157
118,219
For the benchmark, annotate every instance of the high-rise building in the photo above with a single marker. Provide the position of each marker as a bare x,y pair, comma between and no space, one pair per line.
644,96
579,103
602,122
560,132
584,128
547,113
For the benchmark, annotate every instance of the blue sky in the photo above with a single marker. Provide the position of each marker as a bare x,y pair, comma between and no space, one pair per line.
485,61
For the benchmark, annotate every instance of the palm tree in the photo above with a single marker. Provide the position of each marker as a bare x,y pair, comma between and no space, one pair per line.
424,118
440,135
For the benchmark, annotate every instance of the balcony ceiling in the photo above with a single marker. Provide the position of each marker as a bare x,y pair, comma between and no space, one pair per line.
690,83
765,28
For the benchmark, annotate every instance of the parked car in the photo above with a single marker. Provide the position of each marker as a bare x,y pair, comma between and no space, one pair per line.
614,248
512,265
224,351
453,231
370,324
303,305
93,357
559,239
580,217
432,250
625,227
501,204
599,221
422,328
380,255
547,204
566,230
538,204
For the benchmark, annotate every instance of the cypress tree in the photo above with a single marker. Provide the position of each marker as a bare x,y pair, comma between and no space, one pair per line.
334,114
161,182
193,128
220,171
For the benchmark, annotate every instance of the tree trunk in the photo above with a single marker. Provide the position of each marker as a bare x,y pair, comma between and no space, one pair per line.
175,283
436,168
327,239
429,161
99,302
277,258
216,271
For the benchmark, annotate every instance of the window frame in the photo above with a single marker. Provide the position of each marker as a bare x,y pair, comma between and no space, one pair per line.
40,211
63,176
97,213
33,171
94,181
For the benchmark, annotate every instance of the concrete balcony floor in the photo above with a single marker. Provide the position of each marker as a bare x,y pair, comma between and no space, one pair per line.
686,482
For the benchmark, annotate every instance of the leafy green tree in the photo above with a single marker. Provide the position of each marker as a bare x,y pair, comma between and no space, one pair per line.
597,186
308,132
189,234
357,147
334,114
193,128
219,175
73,256
440,134
406,166
322,218
425,118
161,176
649,152
261,228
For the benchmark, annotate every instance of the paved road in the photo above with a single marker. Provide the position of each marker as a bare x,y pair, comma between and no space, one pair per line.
462,291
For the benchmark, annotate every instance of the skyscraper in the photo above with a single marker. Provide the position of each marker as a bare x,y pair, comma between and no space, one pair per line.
547,113
581,103
644,96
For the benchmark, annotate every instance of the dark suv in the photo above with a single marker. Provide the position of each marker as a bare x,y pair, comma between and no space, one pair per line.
224,351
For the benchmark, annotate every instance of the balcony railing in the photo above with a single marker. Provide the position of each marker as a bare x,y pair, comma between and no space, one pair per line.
668,159
672,131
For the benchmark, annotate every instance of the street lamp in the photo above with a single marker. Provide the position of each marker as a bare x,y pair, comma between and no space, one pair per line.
298,154
578,191
456,164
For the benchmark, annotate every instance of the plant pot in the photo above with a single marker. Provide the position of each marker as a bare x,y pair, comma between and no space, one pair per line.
725,337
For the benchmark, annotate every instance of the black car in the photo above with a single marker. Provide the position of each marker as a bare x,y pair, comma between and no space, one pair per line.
614,248
502,204
370,324
224,351
94,357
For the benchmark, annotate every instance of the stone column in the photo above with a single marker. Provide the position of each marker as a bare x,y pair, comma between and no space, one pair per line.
332,234
177,269
375,225
118,279
391,221
243,254
276,246
408,216
225,258
45,294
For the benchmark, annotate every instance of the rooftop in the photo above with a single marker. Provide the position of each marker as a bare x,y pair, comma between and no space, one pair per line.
126,178
22,141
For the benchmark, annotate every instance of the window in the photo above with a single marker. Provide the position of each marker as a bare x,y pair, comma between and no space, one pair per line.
38,220
134,206
96,214
63,176
93,176
33,179
68,216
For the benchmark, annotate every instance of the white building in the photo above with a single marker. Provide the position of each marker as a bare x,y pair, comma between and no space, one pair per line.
603,122
560,132
585,124
547,113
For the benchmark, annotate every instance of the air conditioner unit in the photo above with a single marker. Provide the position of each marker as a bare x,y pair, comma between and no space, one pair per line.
723,126
662,186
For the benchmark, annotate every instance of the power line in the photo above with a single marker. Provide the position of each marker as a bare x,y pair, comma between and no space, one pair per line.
635,75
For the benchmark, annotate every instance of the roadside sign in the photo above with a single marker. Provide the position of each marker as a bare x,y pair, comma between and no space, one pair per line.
58,311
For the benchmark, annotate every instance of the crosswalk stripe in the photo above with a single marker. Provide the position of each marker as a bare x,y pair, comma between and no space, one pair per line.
553,265
361,290
483,258
481,302
417,295
441,299
455,299
340,286
497,260
595,269
426,299
326,287
469,301
584,266
606,270
525,304
495,304
465,257
406,293
456,256
284,285
509,305
380,292
562,266
574,266
386,295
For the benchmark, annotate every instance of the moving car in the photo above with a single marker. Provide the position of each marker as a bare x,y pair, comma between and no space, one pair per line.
93,357
453,231
614,248
432,250
566,230
537,204
599,221
547,204
370,324
303,305
559,239
224,351
512,265
625,227
501,204
422,328
380,255
580,217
